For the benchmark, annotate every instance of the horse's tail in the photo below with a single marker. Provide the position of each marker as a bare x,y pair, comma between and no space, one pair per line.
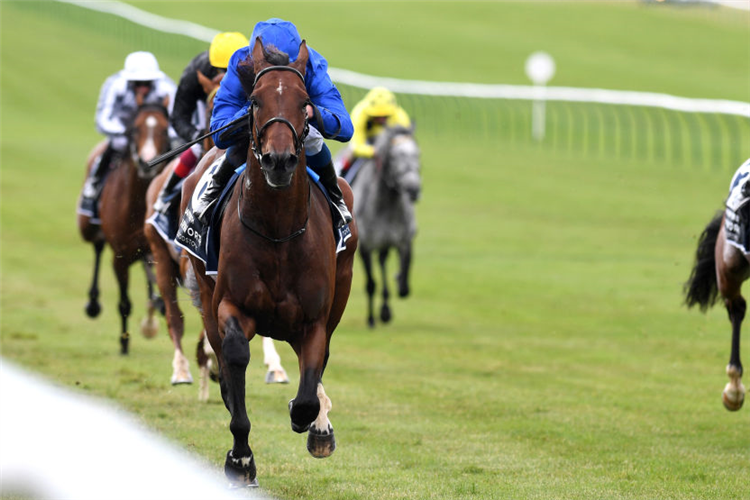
701,288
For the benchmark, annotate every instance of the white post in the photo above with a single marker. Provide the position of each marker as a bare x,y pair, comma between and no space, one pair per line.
540,67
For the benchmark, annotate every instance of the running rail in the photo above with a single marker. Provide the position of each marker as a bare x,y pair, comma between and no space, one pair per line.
472,90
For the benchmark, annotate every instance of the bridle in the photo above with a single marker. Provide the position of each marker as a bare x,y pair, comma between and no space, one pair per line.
145,171
299,139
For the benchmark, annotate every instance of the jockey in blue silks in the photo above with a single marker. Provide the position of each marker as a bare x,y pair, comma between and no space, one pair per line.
232,102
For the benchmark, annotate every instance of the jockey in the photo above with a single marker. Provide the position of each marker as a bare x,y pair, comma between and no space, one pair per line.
188,115
370,116
231,102
117,105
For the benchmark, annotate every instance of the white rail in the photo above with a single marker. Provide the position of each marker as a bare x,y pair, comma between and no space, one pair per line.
474,90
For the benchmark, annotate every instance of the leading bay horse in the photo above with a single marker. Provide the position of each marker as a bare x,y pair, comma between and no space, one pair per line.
720,269
279,274
122,210
171,267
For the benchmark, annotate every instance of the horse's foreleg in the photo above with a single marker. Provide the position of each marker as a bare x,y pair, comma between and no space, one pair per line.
404,253
166,277
149,326
121,267
385,310
320,439
369,286
93,308
276,373
309,409
239,466
734,392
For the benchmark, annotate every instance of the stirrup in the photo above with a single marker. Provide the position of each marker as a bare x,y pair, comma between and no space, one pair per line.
345,217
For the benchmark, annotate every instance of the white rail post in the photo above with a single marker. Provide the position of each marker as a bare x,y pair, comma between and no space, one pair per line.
540,67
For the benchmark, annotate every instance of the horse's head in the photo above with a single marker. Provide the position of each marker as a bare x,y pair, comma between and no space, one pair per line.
401,163
278,111
148,136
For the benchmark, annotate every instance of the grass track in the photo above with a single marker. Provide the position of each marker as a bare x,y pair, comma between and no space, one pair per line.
544,352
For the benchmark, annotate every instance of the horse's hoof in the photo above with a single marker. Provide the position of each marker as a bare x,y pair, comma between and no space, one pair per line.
93,309
182,379
385,314
241,472
321,445
371,322
276,377
149,327
732,397
403,291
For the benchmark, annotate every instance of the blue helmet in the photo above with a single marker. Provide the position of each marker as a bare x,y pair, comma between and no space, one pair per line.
281,34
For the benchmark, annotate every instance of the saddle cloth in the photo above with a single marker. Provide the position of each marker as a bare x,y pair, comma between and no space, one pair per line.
202,240
166,224
737,212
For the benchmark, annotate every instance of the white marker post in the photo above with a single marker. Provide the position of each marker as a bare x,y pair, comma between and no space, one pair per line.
540,68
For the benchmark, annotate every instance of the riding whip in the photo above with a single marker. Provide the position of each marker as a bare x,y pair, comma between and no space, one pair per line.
174,152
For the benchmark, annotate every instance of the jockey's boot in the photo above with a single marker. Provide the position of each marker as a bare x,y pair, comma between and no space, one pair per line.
93,184
160,205
328,177
214,188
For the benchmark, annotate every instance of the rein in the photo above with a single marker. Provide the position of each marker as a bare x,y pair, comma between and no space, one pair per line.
298,232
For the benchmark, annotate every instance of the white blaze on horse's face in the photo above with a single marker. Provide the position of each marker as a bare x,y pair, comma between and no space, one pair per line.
280,88
149,151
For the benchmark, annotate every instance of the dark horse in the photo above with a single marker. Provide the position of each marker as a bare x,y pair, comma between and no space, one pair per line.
385,192
170,265
279,274
720,269
122,211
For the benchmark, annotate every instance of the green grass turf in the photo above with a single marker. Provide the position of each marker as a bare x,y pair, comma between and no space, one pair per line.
544,352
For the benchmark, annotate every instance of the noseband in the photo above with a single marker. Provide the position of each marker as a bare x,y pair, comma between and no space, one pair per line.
299,140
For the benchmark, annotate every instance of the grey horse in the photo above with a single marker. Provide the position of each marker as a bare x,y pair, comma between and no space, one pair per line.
385,190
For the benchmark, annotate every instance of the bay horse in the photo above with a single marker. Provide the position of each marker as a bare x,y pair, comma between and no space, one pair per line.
385,191
278,272
121,213
171,267
720,269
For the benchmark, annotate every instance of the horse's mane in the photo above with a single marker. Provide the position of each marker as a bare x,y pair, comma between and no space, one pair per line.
246,70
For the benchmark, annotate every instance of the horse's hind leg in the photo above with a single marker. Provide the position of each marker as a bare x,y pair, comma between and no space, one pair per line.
731,271
734,392
370,286
93,308
149,326
404,253
276,373
121,266
385,310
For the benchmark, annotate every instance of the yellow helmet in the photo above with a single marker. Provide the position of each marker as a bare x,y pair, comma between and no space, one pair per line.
380,102
223,46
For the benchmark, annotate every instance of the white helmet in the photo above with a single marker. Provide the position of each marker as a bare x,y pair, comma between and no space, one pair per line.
141,66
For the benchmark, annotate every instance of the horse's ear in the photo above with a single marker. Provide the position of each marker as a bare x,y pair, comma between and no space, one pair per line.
139,99
301,63
259,58
165,102
206,83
